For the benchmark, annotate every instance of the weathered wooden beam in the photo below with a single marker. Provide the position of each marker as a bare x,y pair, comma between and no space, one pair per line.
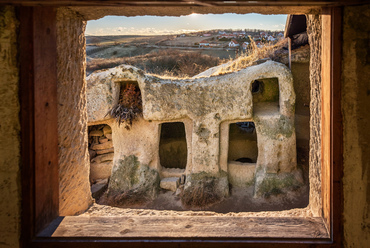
190,227
39,115
26,89
179,3
332,133
336,153
290,52
200,3
326,40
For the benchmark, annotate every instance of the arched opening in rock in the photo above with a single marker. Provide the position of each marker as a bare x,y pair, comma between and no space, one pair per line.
172,145
101,153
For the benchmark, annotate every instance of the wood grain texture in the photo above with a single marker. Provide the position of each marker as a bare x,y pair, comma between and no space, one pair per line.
191,227
45,116
326,116
26,91
180,3
337,127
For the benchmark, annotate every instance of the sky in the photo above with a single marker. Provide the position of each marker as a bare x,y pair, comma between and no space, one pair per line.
158,25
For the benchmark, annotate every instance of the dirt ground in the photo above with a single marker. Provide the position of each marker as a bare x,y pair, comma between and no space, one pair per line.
240,199
240,203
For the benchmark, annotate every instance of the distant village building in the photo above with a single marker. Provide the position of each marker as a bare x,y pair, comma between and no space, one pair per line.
203,43
233,43
227,36
214,44
270,38
259,43
280,36
207,35
245,45
256,37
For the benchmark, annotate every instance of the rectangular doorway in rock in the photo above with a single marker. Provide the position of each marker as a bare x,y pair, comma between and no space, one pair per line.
172,145
242,153
265,94
101,153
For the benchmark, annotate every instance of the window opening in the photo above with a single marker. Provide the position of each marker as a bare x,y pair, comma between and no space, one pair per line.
176,158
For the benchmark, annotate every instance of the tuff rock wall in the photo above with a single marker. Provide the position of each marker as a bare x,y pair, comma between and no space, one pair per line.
356,125
207,102
314,36
10,190
74,166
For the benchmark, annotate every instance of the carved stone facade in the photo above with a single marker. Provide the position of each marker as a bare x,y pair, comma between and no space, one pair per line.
206,106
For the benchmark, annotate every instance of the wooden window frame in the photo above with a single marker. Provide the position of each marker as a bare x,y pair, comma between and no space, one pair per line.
40,187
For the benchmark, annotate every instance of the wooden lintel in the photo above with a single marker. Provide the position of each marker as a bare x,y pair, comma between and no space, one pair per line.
200,3
179,3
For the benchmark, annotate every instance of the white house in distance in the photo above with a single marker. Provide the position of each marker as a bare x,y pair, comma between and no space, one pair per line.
203,43
245,45
233,43
227,36
280,36
214,44
270,38
259,44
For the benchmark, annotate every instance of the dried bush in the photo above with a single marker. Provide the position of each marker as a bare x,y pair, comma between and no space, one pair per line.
272,51
202,194
129,106
164,63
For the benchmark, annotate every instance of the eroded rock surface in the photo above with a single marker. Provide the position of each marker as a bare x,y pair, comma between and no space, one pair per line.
203,104
132,182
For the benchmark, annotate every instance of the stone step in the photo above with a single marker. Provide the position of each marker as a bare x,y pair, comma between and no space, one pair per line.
98,188
169,183
172,172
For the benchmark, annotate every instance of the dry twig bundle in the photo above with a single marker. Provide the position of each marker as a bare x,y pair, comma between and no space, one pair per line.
129,106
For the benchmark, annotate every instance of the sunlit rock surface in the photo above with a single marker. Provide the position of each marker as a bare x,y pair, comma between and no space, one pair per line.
204,105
